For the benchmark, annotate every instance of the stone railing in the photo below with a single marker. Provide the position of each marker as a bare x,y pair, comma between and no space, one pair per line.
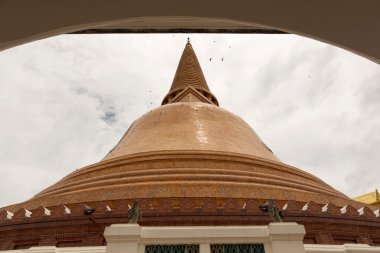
275,238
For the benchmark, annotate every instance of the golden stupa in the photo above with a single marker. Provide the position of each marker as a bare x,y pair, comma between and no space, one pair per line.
187,162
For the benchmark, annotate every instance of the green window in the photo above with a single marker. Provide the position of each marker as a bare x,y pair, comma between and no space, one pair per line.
182,248
237,248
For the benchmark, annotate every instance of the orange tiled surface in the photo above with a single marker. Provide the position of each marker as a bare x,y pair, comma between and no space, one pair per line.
182,174
191,126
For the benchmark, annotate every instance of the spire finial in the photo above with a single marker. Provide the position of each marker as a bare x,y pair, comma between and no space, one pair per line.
189,73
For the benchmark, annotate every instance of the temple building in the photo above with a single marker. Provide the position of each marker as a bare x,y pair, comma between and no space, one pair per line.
200,175
372,198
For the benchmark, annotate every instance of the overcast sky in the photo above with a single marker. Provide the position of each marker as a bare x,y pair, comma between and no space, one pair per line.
67,100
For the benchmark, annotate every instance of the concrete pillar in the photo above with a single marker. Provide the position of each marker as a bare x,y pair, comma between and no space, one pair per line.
286,237
123,238
204,248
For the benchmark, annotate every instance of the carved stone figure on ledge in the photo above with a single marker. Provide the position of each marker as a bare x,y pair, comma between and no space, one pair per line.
134,214
271,208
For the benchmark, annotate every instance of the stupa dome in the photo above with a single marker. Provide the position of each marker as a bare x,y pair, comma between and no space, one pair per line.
191,126
188,148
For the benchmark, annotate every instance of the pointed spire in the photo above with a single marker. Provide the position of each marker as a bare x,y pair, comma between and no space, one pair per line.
189,74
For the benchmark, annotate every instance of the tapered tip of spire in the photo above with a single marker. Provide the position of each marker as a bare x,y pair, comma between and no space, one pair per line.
189,75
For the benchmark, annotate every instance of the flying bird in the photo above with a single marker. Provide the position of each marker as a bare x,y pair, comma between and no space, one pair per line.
210,58
222,59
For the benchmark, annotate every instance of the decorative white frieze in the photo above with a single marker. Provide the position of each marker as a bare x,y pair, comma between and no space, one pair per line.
325,208
361,211
46,211
67,210
28,213
9,215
